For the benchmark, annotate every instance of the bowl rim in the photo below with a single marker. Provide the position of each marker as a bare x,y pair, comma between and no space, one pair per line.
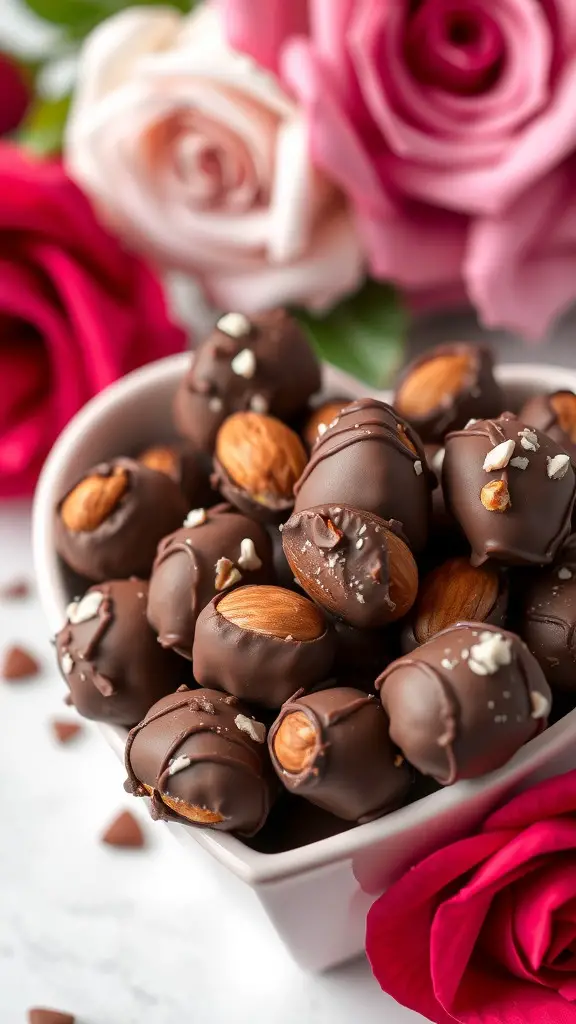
250,865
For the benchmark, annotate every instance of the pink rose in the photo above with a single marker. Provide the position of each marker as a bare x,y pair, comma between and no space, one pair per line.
202,160
76,312
484,931
15,94
462,103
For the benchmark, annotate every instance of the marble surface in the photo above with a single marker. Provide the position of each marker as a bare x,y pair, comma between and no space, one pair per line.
125,937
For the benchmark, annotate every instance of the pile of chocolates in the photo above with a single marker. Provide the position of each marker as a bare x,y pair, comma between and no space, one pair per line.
310,604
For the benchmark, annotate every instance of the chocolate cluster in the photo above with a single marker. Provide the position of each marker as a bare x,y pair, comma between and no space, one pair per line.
305,608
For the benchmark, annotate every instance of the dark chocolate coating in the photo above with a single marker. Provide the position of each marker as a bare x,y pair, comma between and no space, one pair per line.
229,771
452,722
284,574
260,669
286,373
191,471
111,662
532,530
125,543
354,773
361,460
548,622
362,654
538,412
184,574
351,563
479,398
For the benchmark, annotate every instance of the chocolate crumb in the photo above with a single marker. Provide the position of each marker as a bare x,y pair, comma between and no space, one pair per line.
17,664
65,731
41,1015
124,831
15,590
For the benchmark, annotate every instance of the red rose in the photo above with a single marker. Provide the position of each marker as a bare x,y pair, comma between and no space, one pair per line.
484,931
76,312
14,93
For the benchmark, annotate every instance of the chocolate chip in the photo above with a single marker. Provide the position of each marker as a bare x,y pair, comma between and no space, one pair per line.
18,663
65,731
43,1016
14,590
124,831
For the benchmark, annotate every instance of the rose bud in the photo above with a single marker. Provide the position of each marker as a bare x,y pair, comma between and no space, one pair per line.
456,591
446,387
354,564
332,747
109,524
464,702
511,488
257,462
320,419
109,657
555,415
189,468
262,644
370,458
202,758
262,364
215,550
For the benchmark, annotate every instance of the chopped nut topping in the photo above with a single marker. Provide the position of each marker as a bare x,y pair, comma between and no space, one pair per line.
564,573
495,496
540,704
418,467
179,764
215,404
244,364
558,466
67,663
86,609
491,653
248,556
196,517
520,462
235,325
449,663
226,574
259,404
255,730
529,439
499,457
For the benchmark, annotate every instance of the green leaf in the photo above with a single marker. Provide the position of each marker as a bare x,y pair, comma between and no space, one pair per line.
363,335
81,16
43,128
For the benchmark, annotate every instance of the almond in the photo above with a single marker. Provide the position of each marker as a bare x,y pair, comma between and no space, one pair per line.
433,383
495,496
162,459
319,420
274,612
261,455
454,592
295,743
564,405
201,815
93,500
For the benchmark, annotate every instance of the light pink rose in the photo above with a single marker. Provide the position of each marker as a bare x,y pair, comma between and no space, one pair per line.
200,159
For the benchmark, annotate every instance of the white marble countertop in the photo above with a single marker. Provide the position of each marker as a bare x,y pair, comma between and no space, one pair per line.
125,937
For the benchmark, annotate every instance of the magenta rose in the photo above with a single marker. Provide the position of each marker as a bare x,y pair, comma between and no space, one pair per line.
484,931
15,93
76,312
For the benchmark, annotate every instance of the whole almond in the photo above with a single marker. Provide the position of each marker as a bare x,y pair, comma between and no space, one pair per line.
454,592
403,571
295,743
261,455
162,459
432,384
319,420
93,500
273,611
564,405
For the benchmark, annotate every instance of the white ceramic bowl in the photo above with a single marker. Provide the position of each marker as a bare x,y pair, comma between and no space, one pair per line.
317,896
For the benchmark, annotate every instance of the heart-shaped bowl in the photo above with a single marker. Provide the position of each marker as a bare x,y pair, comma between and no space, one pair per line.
318,893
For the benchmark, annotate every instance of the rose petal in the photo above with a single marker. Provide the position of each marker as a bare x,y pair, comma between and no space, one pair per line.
545,800
260,27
